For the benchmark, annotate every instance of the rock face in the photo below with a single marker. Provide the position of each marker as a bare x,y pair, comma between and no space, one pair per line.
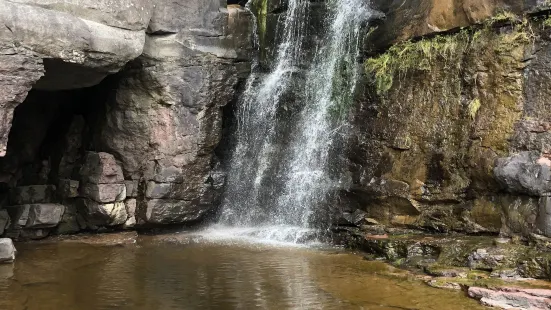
124,114
451,132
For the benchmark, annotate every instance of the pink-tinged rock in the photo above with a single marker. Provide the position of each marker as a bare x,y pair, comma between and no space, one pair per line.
104,193
512,298
101,168
544,161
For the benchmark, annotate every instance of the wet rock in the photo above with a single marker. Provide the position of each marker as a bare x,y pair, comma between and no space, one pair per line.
32,194
44,215
356,218
101,168
512,298
104,193
7,250
68,188
34,234
161,211
524,173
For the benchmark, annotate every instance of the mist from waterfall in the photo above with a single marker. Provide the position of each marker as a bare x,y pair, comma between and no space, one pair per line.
279,172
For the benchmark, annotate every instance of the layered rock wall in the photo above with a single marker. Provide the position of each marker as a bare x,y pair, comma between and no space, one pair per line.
452,132
124,114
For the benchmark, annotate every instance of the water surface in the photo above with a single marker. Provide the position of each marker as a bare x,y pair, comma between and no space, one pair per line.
166,273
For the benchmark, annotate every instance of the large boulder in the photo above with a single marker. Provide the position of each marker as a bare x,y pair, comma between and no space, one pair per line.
7,250
97,214
525,173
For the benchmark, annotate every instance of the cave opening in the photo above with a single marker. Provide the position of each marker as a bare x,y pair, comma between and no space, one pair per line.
51,131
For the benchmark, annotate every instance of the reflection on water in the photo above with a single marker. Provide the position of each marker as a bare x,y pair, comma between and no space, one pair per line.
162,275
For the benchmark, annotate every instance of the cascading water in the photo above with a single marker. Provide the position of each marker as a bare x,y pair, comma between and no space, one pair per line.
280,167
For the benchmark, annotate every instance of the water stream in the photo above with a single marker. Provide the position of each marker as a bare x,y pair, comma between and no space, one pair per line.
280,171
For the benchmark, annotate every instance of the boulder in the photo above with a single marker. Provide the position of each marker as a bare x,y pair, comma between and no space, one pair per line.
101,168
104,193
96,214
44,215
524,173
32,194
7,250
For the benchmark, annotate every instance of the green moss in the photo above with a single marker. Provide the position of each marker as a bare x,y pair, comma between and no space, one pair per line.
409,56
474,106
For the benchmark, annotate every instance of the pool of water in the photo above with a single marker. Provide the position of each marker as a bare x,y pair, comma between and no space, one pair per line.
175,273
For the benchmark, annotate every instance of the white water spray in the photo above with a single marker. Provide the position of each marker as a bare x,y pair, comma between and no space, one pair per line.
275,184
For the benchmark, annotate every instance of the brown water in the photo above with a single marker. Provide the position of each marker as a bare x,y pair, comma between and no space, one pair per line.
156,274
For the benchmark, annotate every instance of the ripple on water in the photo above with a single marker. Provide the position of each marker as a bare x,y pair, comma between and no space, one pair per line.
160,275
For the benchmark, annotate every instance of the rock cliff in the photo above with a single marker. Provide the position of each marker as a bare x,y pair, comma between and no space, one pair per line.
452,131
111,111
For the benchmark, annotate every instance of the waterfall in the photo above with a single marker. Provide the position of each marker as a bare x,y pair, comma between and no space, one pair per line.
280,170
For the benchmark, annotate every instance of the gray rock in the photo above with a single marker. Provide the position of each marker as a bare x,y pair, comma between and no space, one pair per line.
177,191
32,194
69,223
44,215
34,234
19,215
130,205
544,216
104,193
101,168
7,250
96,214
524,173
4,221
68,188
69,40
159,211
131,188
